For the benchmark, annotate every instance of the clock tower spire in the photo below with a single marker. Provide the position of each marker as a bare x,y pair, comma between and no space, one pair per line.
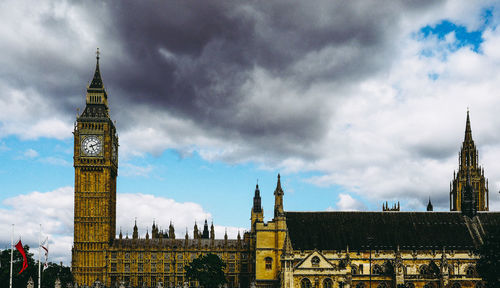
96,168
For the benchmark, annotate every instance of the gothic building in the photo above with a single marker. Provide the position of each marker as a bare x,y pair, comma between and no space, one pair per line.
293,250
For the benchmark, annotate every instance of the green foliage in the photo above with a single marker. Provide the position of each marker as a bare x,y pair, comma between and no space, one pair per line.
208,270
488,266
21,280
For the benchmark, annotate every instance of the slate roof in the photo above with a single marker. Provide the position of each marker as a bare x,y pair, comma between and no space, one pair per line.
387,230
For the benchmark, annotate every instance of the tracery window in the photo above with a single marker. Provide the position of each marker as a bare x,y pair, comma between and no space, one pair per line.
315,261
382,285
360,285
305,283
423,270
269,263
327,283
377,269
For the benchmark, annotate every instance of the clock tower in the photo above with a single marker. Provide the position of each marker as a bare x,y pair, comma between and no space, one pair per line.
96,167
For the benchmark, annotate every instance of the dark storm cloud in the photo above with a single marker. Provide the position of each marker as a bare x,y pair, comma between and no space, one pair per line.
193,58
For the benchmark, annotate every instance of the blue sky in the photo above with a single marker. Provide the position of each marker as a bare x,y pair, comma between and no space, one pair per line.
351,110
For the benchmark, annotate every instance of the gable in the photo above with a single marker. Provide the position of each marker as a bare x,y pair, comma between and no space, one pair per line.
315,260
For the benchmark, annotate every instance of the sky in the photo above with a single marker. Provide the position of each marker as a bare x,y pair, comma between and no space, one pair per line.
352,102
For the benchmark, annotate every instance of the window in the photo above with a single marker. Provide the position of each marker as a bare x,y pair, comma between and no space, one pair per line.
166,267
113,267
153,256
327,283
360,270
428,285
410,285
382,285
180,268
470,271
179,256
140,267
113,255
423,270
456,285
231,267
269,263
141,255
305,283
361,285
166,256
354,270
231,256
127,255
127,267
315,261
377,269
153,267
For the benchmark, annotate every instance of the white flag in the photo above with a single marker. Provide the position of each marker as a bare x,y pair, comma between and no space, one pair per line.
45,246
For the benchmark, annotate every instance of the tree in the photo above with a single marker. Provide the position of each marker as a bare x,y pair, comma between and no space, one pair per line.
20,280
488,266
208,270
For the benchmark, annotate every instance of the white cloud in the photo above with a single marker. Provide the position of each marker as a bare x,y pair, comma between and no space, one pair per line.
55,161
347,203
130,170
30,153
54,210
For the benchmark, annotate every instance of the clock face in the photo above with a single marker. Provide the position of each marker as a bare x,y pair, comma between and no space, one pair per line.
91,145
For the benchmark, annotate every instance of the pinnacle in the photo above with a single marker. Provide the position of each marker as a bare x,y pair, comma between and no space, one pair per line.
468,130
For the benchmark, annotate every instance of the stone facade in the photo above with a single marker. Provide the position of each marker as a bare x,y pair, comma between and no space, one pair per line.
293,250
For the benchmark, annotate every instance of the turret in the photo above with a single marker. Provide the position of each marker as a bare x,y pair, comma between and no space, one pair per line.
205,234
212,231
278,200
469,164
429,205
135,233
195,231
171,231
257,214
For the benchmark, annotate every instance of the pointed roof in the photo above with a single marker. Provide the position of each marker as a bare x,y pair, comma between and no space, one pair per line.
278,186
97,80
468,130
429,205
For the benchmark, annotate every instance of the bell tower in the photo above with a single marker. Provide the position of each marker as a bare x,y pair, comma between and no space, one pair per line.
96,167
469,173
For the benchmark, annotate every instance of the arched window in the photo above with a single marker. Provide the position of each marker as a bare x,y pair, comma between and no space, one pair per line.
428,285
361,285
382,285
377,269
327,283
269,263
354,270
315,261
479,285
456,285
423,270
305,283
470,271
410,285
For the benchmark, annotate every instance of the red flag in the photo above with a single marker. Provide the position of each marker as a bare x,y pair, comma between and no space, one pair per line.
19,247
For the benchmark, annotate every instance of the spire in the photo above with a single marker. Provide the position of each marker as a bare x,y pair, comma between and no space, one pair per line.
147,235
135,233
429,205
212,231
225,236
171,231
195,230
97,80
468,130
257,206
121,235
205,234
278,199
186,236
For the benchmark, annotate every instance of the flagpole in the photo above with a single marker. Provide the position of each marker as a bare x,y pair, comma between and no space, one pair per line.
11,254
39,257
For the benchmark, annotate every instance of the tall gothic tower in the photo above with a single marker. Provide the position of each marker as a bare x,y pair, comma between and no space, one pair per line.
96,166
469,170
